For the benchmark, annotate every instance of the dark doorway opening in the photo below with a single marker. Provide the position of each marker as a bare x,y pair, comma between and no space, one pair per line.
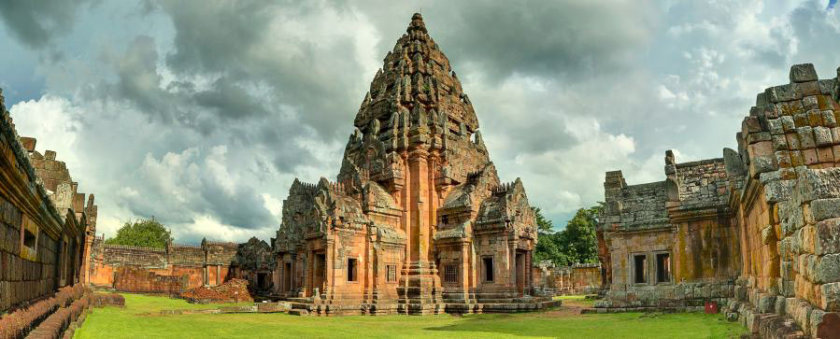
640,269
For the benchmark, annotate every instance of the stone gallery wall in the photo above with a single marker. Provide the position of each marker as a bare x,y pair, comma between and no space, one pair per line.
176,268
755,231
44,223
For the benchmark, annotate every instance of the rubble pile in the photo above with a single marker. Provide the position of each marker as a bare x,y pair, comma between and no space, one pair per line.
234,290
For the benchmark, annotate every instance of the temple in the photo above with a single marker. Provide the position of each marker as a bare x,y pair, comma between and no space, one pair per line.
417,221
754,232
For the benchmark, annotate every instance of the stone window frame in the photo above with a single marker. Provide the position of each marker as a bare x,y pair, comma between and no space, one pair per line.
388,267
632,271
655,271
355,270
457,274
28,226
484,269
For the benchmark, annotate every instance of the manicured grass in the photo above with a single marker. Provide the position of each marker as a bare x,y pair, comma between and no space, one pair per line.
131,322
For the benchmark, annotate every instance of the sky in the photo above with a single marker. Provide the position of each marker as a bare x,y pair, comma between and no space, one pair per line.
202,113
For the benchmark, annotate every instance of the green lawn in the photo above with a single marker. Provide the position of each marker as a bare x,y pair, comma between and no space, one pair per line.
133,321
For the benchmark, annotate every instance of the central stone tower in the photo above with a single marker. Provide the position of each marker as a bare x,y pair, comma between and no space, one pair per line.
416,193
414,107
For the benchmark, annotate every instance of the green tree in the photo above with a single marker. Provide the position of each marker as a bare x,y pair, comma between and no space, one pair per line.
142,232
543,225
577,243
579,235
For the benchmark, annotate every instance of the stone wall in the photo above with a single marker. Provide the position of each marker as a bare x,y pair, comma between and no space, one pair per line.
175,268
755,231
578,279
44,225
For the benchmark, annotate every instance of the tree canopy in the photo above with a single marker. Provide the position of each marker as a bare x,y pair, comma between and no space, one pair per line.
576,244
142,232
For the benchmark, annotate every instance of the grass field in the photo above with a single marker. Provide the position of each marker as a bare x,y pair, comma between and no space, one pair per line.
134,321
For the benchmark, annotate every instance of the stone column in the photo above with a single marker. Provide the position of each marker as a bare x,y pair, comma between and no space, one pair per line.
465,269
329,256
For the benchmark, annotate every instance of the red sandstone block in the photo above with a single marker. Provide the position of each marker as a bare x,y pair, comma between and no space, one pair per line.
810,156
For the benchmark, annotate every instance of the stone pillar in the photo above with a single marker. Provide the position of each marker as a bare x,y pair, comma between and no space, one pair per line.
418,208
465,270
329,285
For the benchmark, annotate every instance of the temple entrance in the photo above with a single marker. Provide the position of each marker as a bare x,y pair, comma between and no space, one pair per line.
319,277
261,281
521,272
287,275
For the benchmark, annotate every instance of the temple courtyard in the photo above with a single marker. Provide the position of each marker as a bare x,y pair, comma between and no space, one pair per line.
141,318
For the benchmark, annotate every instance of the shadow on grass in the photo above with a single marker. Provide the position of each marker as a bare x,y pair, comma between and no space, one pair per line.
591,326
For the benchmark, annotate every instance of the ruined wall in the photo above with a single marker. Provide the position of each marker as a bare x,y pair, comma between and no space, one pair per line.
789,144
43,232
161,270
578,279
757,227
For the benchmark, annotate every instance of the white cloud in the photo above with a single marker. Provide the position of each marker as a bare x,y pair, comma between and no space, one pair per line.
51,120
222,105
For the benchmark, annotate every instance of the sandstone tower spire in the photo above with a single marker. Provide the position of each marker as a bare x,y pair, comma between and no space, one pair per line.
415,173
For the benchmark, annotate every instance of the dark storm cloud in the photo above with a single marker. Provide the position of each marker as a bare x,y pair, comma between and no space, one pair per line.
234,39
564,90
552,38
35,23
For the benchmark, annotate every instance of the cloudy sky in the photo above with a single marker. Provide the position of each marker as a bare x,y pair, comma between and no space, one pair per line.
201,113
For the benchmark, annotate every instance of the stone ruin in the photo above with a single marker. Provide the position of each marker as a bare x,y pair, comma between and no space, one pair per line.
417,221
755,231
177,268
46,227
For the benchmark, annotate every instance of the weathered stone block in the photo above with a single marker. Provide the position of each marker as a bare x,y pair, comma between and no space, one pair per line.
762,164
827,236
766,304
827,269
775,126
787,123
779,142
803,73
792,218
822,136
809,102
825,155
817,184
779,307
828,119
815,117
783,93
830,297
751,124
806,137
796,158
801,119
822,209
768,235
783,158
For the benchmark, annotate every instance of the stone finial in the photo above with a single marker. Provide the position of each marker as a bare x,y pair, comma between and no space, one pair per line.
49,155
803,73
417,23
